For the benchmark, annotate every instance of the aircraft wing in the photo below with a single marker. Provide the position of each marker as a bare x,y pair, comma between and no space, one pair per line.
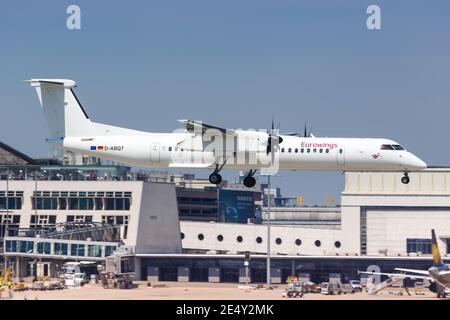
189,165
424,272
192,125
400,275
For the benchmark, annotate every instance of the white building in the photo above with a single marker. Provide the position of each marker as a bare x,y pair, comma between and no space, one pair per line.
379,216
147,211
382,222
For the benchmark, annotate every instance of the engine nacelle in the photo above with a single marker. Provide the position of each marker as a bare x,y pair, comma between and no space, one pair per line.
433,287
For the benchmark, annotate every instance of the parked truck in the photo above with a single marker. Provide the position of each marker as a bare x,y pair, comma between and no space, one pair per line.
118,272
330,288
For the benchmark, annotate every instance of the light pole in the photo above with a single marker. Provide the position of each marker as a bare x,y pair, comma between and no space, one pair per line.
5,220
269,285
35,220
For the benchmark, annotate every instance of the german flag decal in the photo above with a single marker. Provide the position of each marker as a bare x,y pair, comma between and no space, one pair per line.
100,148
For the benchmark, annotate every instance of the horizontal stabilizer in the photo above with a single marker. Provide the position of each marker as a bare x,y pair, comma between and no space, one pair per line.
62,82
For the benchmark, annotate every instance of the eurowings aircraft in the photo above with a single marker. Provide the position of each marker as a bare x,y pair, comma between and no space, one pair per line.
205,146
438,273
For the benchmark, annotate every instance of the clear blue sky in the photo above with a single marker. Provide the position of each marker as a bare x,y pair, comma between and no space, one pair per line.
144,64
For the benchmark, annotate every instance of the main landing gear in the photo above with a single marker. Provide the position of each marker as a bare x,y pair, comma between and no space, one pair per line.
405,178
249,180
215,177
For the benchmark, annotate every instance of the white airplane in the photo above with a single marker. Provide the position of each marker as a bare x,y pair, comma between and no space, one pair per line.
204,146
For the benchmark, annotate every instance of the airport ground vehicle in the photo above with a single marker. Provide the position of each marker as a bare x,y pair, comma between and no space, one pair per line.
311,287
118,271
356,285
294,289
73,274
330,288
347,288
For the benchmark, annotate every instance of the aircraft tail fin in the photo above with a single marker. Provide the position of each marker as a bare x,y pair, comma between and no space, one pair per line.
437,260
64,114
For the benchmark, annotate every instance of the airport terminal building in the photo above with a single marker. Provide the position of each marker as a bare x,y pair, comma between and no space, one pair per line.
381,222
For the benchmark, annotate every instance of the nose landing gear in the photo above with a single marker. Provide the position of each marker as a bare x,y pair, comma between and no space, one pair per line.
405,178
249,180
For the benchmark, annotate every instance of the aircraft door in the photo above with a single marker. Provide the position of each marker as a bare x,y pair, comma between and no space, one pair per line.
154,152
341,156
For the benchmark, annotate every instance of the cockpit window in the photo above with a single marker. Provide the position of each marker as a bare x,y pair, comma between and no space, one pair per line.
391,147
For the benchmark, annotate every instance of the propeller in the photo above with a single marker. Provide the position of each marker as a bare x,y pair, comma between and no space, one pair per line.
272,138
306,133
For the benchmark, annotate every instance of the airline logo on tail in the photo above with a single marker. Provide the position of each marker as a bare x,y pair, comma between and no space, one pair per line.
437,260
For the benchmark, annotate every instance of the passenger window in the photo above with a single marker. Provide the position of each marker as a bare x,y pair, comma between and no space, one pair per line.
170,148
289,150
296,150
340,150
314,150
308,150
321,150
282,150
302,150
327,150
386,147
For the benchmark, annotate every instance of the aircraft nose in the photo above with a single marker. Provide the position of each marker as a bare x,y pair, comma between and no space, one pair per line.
433,271
420,164
415,163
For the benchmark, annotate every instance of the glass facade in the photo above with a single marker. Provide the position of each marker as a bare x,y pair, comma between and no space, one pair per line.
75,200
14,203
79,218
26,246
418,245
11,246
94,250
52,247
109,250
43,247
43,220
117,204
77,249
61,249
319,270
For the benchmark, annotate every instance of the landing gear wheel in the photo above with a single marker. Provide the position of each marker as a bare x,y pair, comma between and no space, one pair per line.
249,182
405,178
215,178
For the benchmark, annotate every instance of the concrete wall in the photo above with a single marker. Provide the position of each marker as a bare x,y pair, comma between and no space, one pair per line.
395,211
249,233
389,229
158,229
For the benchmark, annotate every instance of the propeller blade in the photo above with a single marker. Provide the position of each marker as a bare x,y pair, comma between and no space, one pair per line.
272,136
